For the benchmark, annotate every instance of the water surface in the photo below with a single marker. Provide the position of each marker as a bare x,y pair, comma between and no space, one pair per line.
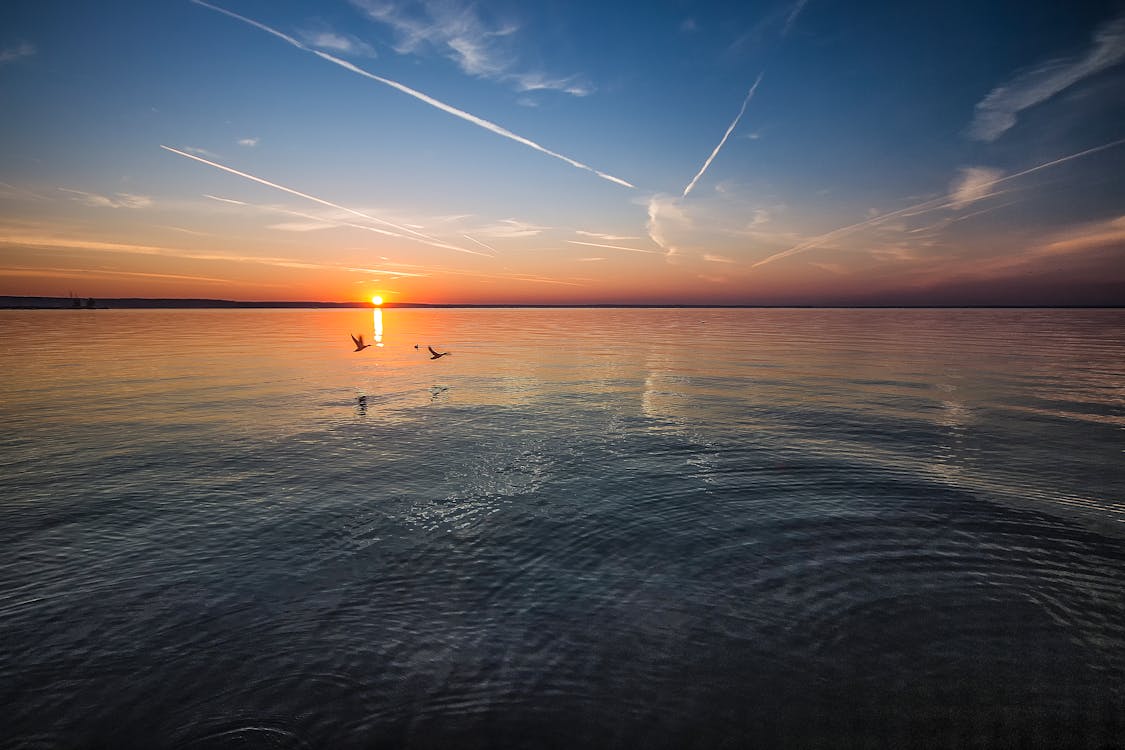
610,528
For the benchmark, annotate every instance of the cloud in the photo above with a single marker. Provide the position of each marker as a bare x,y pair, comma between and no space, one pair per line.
607,237
201,152
664,211
1088,237
344,44
20,51
972,184
717,258
928,205
726,135
117,200
301,226
458,31
447,108
249,142
589,260
70,273
510,229
415,235
997,112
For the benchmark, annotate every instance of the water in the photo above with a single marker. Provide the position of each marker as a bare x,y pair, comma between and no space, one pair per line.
603,528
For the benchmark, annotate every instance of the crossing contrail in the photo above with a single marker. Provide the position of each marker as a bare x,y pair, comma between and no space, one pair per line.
447,108
925,206
726,135
417,236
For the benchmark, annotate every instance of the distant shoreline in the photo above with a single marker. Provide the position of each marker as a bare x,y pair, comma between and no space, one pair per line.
141,303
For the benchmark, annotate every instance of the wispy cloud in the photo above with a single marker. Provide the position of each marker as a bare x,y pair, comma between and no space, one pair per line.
710,258
607,237
726,135
25,239
333,41
589,260
1088,237
117,200
413,234
447,108
973,184
301,226
18,52
615,247
457,30
997,112
510,229
70,273
663,211
201,152
249,142
928,205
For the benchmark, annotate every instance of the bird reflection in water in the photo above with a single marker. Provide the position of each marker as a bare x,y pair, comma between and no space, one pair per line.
361,405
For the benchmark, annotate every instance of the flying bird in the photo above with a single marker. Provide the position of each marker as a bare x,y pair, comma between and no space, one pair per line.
359,345
435,354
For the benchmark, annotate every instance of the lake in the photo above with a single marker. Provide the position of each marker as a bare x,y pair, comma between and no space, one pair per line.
584,527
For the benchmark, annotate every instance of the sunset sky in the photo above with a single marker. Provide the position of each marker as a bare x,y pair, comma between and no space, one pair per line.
793,152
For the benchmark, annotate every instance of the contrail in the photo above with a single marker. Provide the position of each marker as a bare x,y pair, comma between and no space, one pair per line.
486,247
931,205
614,247
478,121
417,236
726,135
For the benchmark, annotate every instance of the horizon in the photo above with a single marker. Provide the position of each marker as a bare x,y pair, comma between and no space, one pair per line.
790,154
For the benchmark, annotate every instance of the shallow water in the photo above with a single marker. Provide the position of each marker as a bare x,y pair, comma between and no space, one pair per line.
611,528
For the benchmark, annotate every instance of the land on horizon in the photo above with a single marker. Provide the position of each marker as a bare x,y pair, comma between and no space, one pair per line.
68,303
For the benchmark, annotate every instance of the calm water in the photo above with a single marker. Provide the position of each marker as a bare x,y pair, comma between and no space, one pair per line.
601,528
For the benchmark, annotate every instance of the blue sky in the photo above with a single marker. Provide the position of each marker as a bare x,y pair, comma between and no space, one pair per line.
943,153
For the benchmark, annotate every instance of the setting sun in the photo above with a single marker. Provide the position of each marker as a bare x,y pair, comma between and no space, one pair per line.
376,300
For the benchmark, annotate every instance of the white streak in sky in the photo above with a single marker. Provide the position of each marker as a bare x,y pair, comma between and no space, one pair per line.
726,135
614,247
473,239
417,236
930,205
225,200
793,16
447,108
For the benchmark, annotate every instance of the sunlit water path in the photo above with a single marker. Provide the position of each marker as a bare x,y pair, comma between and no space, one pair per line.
610,528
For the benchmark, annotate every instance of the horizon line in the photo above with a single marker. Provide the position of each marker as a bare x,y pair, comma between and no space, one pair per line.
205,303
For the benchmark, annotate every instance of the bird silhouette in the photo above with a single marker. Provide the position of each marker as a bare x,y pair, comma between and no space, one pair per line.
359,345
436,354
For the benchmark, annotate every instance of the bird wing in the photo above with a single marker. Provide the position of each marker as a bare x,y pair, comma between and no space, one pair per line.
432,351
357,341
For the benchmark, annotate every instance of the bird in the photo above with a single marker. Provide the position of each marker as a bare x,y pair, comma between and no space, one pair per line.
359,345
436,354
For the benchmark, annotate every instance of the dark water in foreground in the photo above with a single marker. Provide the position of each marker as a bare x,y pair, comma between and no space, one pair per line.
601,528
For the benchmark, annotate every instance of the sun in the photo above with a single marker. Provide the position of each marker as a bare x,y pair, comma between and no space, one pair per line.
376,300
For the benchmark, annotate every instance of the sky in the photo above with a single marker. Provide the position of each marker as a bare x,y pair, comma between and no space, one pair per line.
807,152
